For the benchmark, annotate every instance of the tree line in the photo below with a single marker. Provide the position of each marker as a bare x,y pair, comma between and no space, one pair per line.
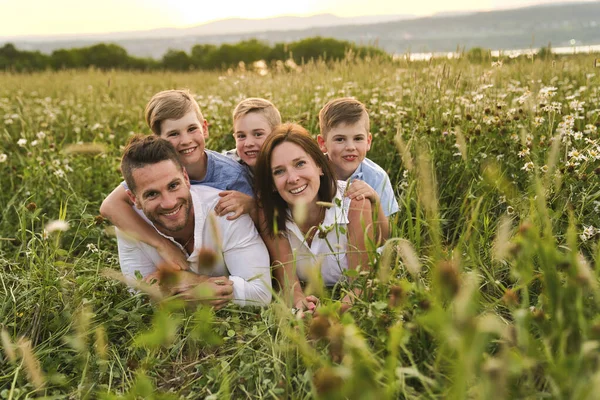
201,56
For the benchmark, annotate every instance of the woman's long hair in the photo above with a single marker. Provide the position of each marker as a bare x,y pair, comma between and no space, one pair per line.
273,205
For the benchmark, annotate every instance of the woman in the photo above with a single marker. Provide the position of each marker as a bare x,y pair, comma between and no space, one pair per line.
304,209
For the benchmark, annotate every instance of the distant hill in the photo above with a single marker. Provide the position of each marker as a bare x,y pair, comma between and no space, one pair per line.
222,27
507,29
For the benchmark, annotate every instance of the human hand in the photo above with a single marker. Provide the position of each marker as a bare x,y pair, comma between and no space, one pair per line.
153,278
172,255
215,291
234,202
360,190
304,304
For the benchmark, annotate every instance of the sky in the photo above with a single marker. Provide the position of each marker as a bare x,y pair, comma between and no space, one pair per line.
56,17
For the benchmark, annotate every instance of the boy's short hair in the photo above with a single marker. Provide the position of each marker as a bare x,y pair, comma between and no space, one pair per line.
142,150
342,110
170,104
258,105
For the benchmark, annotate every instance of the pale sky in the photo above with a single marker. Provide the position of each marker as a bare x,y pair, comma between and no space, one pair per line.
54,17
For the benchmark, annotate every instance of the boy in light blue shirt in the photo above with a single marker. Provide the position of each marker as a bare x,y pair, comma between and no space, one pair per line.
345,136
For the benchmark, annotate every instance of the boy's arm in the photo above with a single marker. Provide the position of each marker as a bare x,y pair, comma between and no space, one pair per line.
360,224
359,190
238,203
117,208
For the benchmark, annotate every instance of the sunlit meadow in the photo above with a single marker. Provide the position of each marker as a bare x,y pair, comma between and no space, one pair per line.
488,288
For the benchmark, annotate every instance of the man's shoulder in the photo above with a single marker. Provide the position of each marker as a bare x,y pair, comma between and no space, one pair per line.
205,194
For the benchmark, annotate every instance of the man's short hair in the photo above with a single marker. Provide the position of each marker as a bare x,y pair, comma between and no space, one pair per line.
170,104
344,110
257,105
142,150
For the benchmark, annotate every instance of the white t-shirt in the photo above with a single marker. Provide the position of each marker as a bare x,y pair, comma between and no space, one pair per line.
329,245
241,253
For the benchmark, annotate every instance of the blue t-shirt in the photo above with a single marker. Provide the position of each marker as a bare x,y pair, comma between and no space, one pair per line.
378,179
223,173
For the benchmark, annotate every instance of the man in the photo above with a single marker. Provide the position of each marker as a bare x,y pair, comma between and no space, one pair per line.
227,259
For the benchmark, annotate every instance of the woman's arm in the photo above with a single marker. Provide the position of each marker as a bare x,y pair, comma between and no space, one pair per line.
117,208
282,261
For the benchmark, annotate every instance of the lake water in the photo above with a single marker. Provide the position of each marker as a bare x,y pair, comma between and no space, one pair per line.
498,53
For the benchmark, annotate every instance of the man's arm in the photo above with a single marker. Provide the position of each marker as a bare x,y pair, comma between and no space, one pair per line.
132,258
247,261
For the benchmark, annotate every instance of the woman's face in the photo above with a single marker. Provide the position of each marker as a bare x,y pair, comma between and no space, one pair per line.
295,174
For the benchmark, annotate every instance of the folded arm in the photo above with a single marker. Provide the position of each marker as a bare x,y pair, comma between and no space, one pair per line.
247,261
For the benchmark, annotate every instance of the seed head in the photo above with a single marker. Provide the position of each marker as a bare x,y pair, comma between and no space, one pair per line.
326,381
207,258
510,298
396,296
319,327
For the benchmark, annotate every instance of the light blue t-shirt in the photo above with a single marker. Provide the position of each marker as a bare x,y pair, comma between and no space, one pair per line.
378,179
223,173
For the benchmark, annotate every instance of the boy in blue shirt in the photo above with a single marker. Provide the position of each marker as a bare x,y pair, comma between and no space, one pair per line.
346,138
175,116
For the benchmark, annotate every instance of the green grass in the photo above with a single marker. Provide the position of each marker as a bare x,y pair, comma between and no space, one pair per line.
499,194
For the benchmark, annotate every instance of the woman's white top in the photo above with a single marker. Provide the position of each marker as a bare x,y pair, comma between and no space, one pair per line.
328,247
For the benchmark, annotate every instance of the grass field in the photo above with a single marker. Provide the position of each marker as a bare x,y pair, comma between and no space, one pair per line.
488,289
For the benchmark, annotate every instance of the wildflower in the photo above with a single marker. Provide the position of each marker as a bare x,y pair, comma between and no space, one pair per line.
524,152
34,143
22,142
529,166
3,158
544,168
510,210
588,233
60,173
40,135
92,247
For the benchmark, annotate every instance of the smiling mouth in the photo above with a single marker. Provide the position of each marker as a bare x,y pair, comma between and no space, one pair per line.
298,190
188,151
350,158
251,153
170,214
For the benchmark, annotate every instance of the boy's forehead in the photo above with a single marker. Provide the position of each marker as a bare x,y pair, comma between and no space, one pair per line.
349,128
186,120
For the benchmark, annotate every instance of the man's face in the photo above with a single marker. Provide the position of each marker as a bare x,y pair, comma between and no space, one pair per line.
347,146
187,134
163,194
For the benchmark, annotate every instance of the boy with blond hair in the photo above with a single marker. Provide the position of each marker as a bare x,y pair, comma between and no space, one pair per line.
254,119
345,135
176,116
